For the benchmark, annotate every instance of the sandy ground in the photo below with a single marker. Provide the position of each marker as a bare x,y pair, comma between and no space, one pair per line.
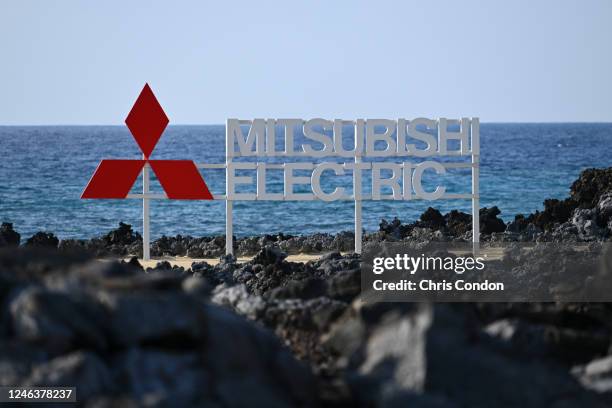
186,262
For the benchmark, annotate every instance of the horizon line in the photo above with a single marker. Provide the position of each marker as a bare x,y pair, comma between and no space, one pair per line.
223,124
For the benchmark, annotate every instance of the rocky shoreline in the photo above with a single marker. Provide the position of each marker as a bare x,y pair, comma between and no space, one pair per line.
585,216
273,333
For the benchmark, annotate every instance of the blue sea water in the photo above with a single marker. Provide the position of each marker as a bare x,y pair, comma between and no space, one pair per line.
44,169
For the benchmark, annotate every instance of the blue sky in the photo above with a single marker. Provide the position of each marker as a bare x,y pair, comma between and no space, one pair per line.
77,62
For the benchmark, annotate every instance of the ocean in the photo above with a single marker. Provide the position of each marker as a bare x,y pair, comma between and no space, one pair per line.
45,168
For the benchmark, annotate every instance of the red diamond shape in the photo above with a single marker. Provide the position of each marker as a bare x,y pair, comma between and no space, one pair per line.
113,179
147,121
181,179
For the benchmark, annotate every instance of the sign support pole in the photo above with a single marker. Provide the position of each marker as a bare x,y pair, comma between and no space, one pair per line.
229,230
358,228
475,130
229,234
146,254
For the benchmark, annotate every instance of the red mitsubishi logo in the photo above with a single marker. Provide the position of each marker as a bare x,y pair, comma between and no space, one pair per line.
180,179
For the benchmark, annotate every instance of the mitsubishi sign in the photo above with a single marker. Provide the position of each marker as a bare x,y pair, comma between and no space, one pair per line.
412,143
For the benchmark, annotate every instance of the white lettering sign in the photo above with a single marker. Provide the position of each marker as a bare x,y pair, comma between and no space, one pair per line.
372,144
420,139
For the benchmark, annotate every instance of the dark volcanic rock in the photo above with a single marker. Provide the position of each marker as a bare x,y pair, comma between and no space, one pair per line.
308,288
270,255
489,222
452,349
433,219
8,236
121,241
394,229
590,186
72,245
585,222
248,366
555,211
372,341
17,360
58,322
458,223
546,341
112,331
84,370
596,375
124,235
154,318
518,225
163,377
585,193
42,239
604,209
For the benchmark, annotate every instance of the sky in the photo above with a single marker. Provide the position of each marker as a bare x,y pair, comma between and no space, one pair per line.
85,62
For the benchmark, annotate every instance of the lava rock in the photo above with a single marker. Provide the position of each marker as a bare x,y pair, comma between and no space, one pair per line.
124,235
308,288
596,375
197,286
72,245
585,193
43,239
162,319
227,259
8,236
604,209
238,299
547,341
270,255
343,241
489,223
394,228
81,369
17,360
555,212
433,219
518,225
452,348
251,368
590,186
112,330
58,322
458,223
373,339
249,246
585,222
164,378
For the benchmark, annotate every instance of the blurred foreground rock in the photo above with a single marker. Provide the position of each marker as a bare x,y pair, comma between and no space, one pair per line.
120,334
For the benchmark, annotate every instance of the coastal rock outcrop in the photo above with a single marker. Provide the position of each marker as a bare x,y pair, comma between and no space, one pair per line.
604,209
416,354
586,215
592,187
42,239
489,223
114,331
8,236
587,190
454,224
